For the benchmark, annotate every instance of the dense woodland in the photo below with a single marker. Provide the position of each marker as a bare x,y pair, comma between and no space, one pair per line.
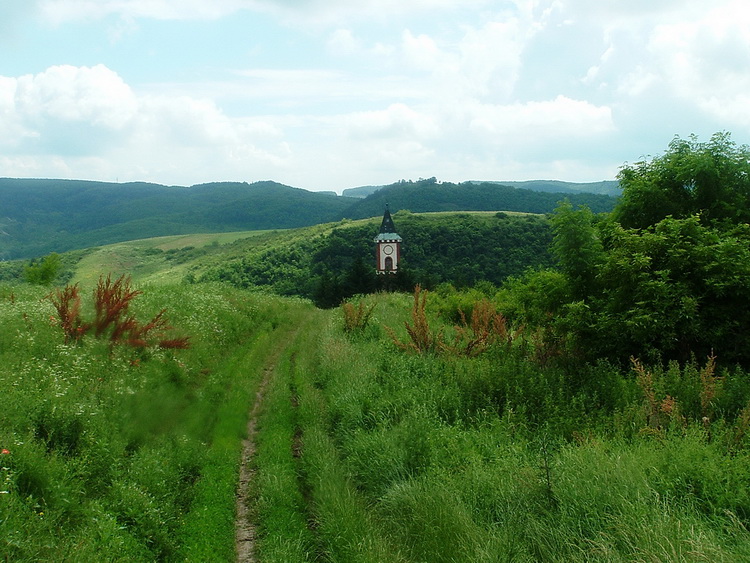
460,249
42,216
431,195
666,276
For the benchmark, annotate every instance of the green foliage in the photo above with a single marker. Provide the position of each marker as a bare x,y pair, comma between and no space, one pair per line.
357,318
428,458
364,453
45,271
673,288
329,267
112,319
709,179
42,216
115,456
60,215
577,247
430,195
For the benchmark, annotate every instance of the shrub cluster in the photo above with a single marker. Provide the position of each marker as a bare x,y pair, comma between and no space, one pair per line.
112,319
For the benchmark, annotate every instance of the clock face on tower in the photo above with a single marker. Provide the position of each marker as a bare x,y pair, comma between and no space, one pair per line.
388,249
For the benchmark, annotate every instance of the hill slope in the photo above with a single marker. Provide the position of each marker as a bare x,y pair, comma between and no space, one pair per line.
605,187
40,216
429,195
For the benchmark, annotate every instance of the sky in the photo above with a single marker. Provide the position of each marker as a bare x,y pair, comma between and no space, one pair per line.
331,94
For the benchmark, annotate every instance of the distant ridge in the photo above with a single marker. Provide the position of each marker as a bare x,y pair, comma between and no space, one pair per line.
361,191
605,187
431,195
42,216
39,216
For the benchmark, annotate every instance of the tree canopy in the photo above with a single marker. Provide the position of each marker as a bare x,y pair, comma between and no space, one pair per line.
666,276
710,179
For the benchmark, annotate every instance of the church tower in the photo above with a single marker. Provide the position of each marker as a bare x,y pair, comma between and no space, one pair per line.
388,245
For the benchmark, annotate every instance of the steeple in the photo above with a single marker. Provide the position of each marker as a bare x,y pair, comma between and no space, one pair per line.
388,245
387,225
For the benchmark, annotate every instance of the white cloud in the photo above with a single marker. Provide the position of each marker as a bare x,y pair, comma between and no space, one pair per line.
60,11
336,92
706,59
422,52
66,93
327,12
338,12
537,122
638,82
343,42
84,121
491,56
396,122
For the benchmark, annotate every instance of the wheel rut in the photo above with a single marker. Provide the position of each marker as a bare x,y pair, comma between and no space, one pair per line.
245,521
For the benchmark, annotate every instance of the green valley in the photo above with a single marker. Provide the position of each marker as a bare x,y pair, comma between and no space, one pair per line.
567,386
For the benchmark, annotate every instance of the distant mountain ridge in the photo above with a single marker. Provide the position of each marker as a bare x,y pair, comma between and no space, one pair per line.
39,216
605,187
430,195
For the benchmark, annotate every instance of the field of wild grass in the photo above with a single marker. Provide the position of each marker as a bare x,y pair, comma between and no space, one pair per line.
412,454
385,434
117,451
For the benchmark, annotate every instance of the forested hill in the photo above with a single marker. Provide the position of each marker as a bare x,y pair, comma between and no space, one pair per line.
41,216
605,187
430,195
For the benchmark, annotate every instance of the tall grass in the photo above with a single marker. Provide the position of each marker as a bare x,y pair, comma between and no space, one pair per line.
365,452
126,453
490,458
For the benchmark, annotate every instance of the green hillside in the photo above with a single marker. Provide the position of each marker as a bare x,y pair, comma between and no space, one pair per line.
431,195
605,187
160,403
41,216
330,263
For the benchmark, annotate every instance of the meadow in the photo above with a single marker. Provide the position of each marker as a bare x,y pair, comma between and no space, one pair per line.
121,452
438,455
575,388
372,445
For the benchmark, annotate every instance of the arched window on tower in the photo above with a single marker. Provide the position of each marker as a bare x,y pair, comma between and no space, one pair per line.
388,264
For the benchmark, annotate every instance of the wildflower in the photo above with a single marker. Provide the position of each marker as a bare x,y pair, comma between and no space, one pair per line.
4,452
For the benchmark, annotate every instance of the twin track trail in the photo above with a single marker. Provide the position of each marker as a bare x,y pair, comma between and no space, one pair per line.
245,533
245,524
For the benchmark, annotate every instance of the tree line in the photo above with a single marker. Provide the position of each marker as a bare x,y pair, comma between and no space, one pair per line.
665,276
461,249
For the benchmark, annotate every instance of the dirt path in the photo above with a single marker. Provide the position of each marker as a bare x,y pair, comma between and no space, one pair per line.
245,534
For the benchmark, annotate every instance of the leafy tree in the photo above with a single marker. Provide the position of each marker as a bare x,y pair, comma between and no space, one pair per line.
44,272
667,277
710,179
576,246
676,289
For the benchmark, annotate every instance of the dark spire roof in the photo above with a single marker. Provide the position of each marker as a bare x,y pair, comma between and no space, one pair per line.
387,228
387,225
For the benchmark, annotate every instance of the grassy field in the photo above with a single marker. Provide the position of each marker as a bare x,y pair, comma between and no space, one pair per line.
121,453
384,434
158,260
438,457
